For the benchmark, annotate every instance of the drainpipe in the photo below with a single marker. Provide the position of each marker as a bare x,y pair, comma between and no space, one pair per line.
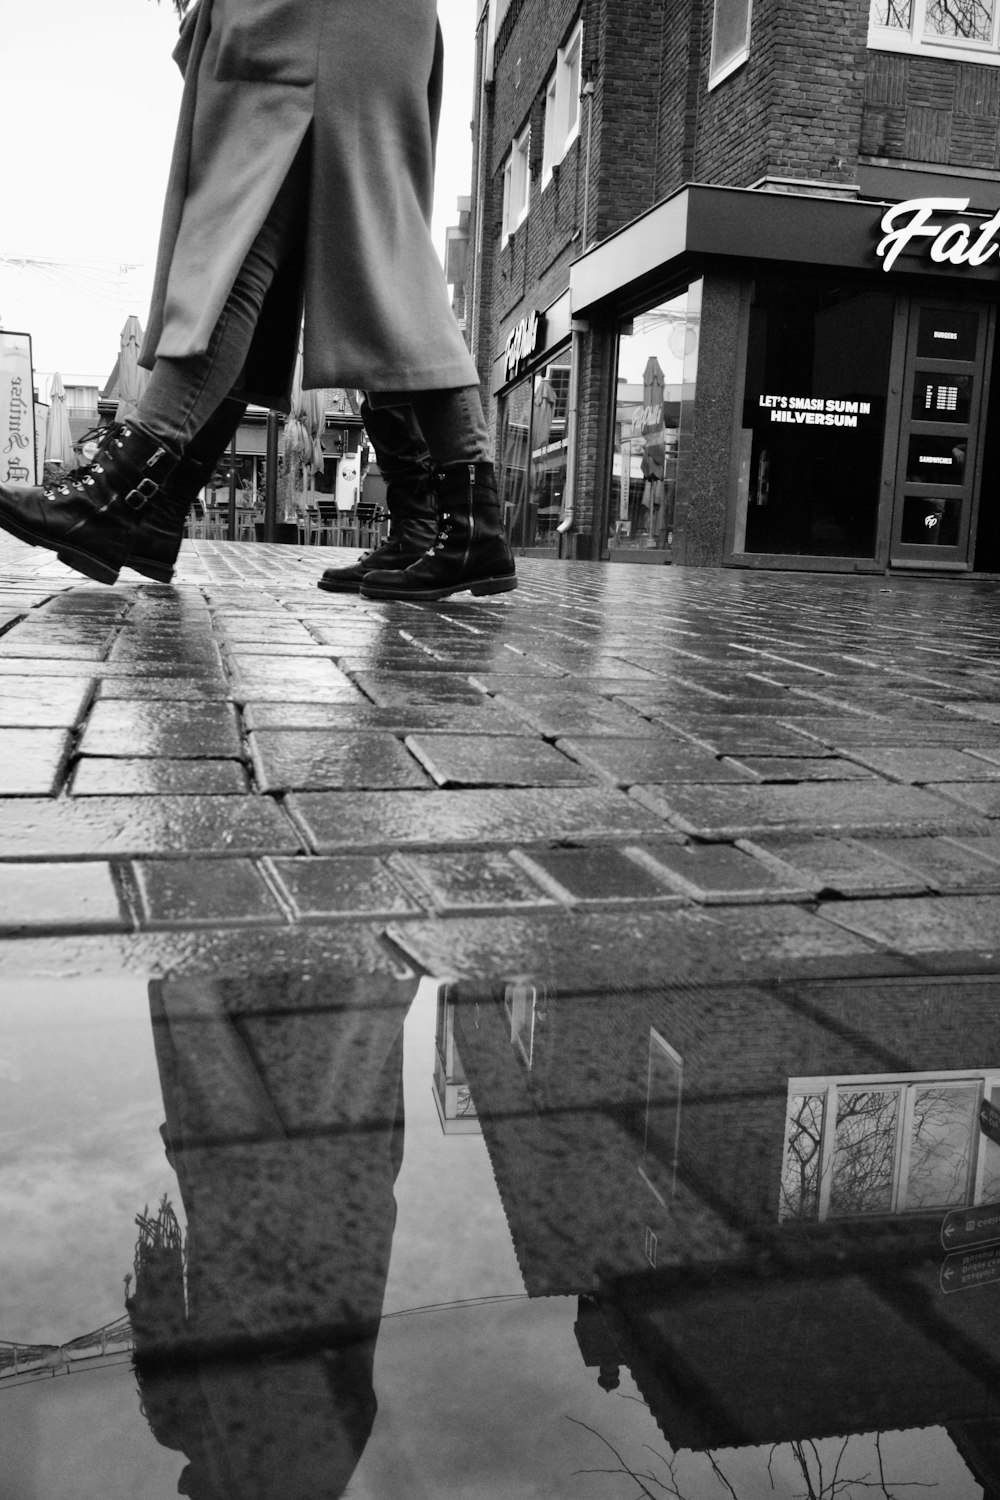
577,329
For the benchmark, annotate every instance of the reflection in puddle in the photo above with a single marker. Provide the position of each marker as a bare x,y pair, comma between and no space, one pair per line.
656,1242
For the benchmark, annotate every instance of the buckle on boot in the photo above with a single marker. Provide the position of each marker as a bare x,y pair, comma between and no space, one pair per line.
143,492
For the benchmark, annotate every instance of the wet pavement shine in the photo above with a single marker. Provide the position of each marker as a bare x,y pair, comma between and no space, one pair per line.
545,1047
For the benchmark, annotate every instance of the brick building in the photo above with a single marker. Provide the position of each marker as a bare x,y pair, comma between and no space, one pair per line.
734,279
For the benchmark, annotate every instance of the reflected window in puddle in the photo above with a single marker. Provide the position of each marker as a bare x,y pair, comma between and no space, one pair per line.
872,1146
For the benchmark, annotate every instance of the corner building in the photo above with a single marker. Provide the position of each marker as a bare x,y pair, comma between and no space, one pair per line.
735,278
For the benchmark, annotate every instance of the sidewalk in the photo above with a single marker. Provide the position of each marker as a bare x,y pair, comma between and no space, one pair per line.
615,776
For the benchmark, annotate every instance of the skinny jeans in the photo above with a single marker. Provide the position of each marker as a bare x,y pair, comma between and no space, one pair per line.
189,403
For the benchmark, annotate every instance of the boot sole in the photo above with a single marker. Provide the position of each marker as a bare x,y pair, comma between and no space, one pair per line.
502,585
72,557
339,588
156,571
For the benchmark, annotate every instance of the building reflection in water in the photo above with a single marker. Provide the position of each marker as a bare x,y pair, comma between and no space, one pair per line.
254,1344
773,1203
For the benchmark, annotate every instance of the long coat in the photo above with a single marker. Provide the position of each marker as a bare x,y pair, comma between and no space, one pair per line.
361,79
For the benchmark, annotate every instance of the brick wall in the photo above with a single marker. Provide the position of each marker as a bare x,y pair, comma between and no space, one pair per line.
925,109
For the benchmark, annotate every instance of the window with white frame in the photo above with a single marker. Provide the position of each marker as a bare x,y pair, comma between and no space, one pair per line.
857,1147
516,181
730,38
562,103
956,28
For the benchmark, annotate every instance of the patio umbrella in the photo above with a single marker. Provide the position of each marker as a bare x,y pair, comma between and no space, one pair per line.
58,438
131,379
298,442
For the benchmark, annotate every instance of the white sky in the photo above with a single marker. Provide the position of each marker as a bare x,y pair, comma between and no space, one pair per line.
94,94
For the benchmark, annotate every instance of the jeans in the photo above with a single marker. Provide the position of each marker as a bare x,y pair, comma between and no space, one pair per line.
186,398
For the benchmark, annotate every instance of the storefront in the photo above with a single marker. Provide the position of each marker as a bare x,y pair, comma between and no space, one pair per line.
531,380
799,382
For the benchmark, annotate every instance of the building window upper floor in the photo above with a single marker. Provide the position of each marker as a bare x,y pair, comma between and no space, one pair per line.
562,103
730,38
967,29
516,183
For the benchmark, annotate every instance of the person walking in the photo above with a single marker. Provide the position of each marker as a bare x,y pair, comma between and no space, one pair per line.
301,179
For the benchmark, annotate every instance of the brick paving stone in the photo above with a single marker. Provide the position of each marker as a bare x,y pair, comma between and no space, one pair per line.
736,737
988,713
981,796
637,947
51,897
331,760
942,864
473,880
847,735
990,755
32,761
487,818
56,703
93,827
914,765
629,761
856,807
925,924
166,689
314,681
849,867
571,714
204,893
988,846
172,730
485,717
797,768
26,666
393,689
102,776
32,650
500,760
353,885
598,876
723,873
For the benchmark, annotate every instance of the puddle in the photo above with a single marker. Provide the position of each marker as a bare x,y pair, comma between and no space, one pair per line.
305,1234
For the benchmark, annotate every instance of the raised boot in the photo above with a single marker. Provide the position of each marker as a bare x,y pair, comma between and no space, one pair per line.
412,529
471,550
89,517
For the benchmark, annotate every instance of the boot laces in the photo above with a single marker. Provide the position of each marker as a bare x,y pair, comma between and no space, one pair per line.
80,474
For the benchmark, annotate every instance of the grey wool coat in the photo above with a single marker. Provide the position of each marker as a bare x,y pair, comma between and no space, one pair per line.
361,79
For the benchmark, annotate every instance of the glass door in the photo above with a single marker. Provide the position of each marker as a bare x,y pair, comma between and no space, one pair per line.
940,447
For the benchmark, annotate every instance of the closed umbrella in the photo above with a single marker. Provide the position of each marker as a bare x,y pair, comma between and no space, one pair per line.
297,445
131,379
315,408
58,438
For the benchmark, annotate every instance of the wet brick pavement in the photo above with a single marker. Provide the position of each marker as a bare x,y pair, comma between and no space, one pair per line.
627,774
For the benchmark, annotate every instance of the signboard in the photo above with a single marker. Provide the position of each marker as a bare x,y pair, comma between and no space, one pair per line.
348,479
989,1123
17,414
971,1268
815,411
522,341
917,223
41,432
970,1226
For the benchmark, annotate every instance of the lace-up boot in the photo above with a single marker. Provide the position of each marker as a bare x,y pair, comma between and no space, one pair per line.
89,517
412,529
471,550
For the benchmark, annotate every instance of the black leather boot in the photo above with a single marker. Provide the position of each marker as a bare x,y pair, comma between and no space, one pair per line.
157,539
89,518
471,550
412,529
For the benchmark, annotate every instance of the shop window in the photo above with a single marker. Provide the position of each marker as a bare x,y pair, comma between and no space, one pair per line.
810,457
872,1146
562,104
516,180
956,28
654,415
730,38
532,453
